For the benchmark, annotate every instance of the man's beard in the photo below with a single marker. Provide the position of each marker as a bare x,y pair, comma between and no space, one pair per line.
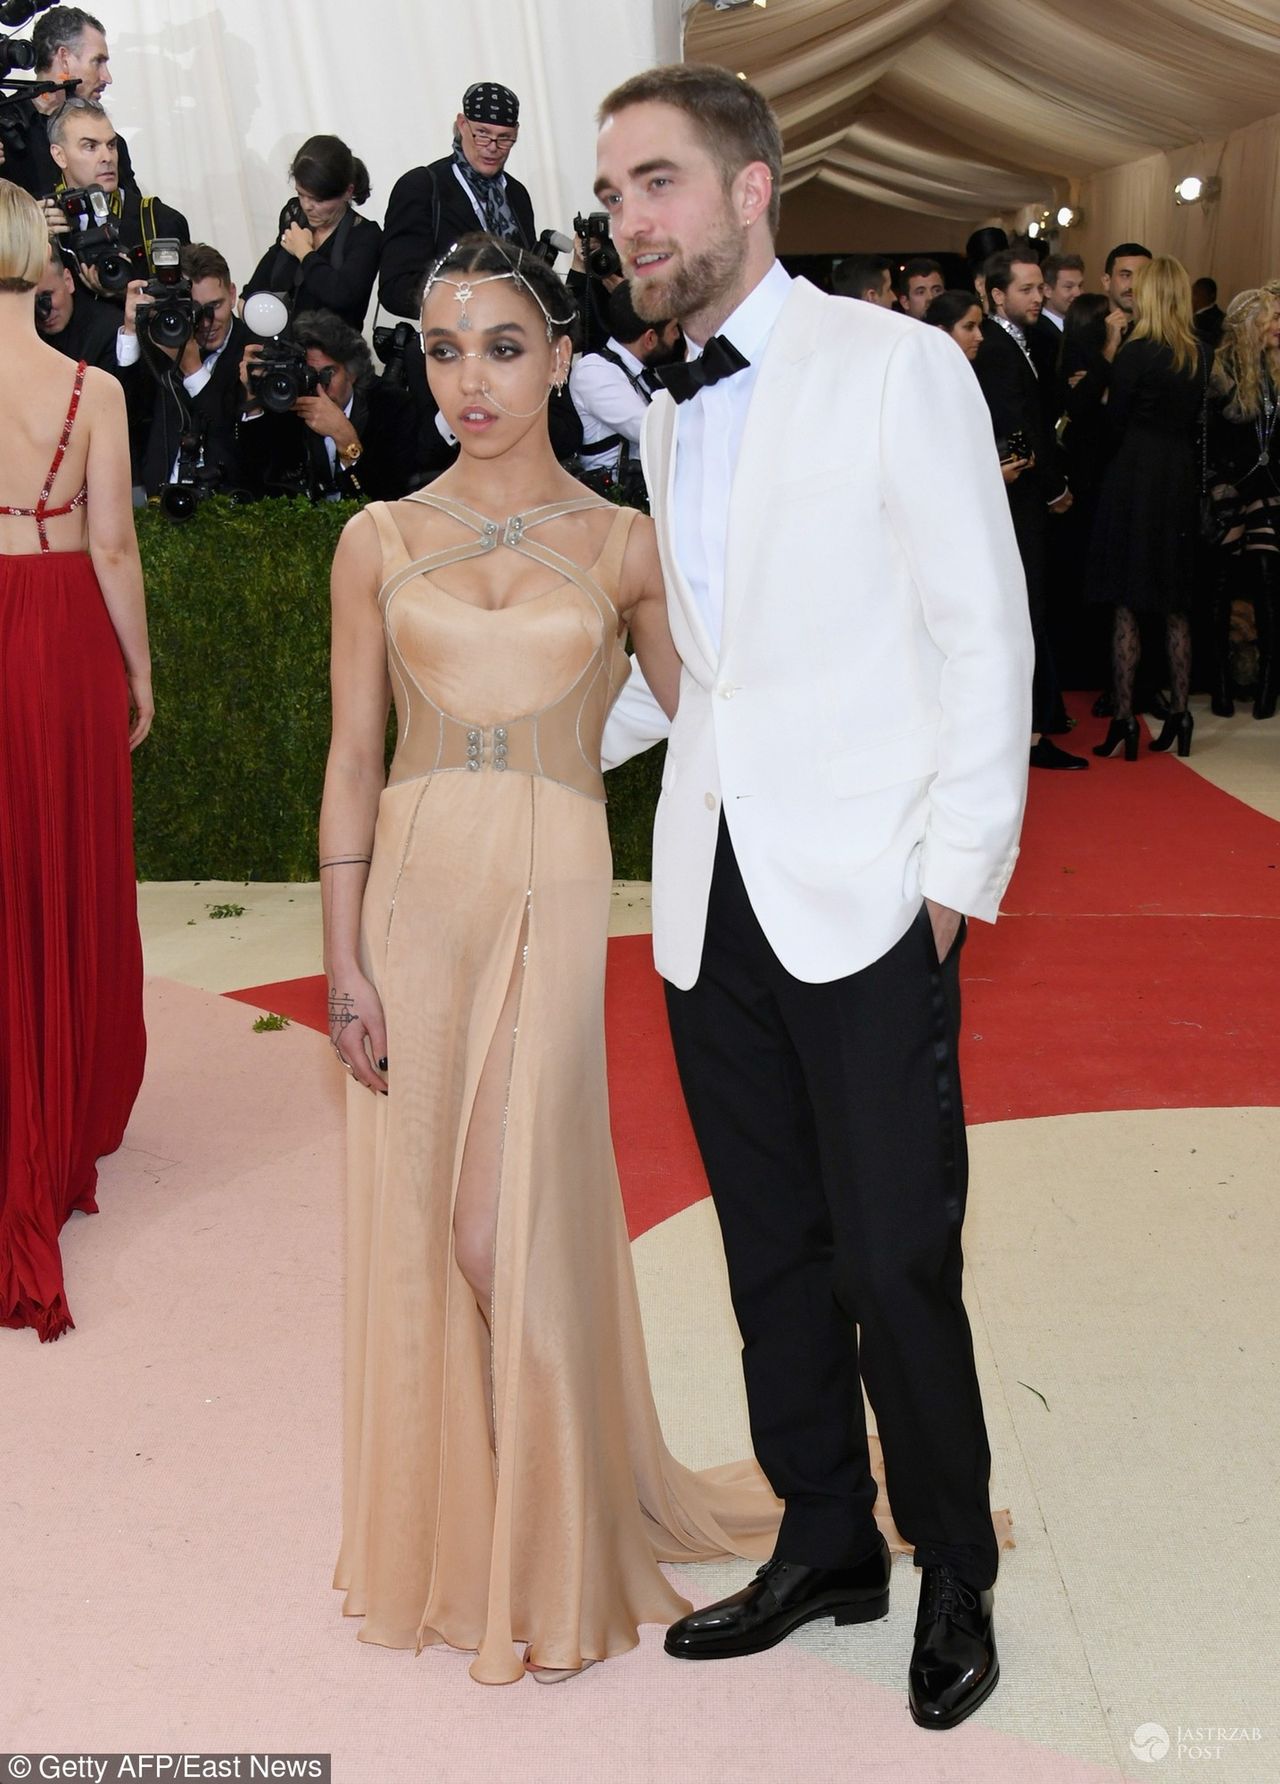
698,282
663,355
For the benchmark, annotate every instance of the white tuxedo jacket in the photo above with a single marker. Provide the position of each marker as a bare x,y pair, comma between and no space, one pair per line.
865,723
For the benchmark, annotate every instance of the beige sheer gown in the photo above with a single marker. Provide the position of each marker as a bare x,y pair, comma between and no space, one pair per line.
484,930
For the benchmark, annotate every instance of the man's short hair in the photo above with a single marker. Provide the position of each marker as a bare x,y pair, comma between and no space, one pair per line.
1062,263
920,268
62,28
197,260
1126,251
1208,286
734,119
71,109
624,323
337,340
998,270
856,274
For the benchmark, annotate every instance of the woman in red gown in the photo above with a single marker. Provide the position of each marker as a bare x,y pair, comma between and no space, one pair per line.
73,662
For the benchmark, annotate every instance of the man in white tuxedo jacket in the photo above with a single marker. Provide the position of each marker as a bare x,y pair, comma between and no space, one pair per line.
844,783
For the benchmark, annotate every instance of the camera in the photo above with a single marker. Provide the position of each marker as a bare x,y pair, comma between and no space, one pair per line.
600,254
95,237
391,345
550,244
44,306
173,315
16,52
281,374
194,479
15,13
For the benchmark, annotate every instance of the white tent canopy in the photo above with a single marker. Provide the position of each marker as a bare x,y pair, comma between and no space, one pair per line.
909,121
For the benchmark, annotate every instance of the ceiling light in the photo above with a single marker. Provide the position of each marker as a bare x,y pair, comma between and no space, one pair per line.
1194,190
1067,216
1033,230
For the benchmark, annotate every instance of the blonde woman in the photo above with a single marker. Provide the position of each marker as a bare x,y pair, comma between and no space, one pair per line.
1141,554
1243,454
73,661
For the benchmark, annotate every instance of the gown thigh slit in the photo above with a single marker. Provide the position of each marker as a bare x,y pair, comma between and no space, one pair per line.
505,1481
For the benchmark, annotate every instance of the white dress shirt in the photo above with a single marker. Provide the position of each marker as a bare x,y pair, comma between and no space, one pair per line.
1059,322
711,426
607,402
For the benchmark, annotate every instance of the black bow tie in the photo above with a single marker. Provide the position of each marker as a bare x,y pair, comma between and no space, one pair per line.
718,359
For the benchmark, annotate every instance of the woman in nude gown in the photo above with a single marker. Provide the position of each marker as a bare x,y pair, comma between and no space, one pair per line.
506,1488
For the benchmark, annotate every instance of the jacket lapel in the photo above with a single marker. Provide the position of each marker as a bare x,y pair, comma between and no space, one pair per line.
661,439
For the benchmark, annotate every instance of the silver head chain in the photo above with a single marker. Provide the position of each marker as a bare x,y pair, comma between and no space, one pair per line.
464,287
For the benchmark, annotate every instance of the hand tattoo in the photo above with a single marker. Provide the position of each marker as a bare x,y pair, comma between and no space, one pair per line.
342,1013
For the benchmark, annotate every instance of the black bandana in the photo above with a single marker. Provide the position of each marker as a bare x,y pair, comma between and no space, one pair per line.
488,103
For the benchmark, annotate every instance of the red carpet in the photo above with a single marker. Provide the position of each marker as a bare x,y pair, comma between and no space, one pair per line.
1136,967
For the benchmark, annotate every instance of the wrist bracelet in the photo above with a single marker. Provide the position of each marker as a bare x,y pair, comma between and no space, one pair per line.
346,861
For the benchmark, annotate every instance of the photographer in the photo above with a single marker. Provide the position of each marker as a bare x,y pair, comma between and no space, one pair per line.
350,435
327,255
613,387
69,45
432,207
596,272
192,389
85,150
71,320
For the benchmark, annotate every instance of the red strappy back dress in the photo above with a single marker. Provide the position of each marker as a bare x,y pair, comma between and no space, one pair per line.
72,1042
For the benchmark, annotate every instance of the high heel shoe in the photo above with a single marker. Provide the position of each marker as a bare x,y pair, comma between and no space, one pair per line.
1120,731
1177,728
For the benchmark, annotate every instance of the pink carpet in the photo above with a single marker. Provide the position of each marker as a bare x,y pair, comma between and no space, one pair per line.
175,1499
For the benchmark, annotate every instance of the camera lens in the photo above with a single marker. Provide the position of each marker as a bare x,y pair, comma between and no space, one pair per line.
178,501
279,391
114,271
16,53
169,326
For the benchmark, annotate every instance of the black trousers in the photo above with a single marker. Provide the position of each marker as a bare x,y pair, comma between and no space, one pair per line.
830,1123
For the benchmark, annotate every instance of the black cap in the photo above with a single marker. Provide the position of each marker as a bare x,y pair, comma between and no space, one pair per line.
488,103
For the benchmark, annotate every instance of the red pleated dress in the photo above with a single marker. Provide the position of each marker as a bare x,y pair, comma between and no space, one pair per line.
72,1042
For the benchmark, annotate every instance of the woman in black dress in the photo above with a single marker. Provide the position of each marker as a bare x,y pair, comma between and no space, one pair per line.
327,255
1243,458
1142,556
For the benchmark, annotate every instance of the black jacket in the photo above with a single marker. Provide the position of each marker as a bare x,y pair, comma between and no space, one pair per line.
427,212
1018,405
166,411
28,163
338,276
90,334
1208,325
280,455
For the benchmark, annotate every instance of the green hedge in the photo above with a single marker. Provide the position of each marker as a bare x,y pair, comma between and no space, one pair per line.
228,784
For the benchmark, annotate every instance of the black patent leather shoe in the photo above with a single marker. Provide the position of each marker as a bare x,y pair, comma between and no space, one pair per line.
954,1667
781,1598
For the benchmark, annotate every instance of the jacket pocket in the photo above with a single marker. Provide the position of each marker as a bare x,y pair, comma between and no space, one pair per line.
908,756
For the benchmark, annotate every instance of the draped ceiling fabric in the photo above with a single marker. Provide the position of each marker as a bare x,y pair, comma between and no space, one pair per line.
216,98
907,122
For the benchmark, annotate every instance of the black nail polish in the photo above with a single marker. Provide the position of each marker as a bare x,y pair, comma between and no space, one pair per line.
382,1064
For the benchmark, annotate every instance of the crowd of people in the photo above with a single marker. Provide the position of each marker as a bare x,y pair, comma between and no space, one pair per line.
847,762
1134,426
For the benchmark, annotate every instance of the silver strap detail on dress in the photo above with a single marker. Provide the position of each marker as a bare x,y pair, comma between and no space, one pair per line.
493,533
